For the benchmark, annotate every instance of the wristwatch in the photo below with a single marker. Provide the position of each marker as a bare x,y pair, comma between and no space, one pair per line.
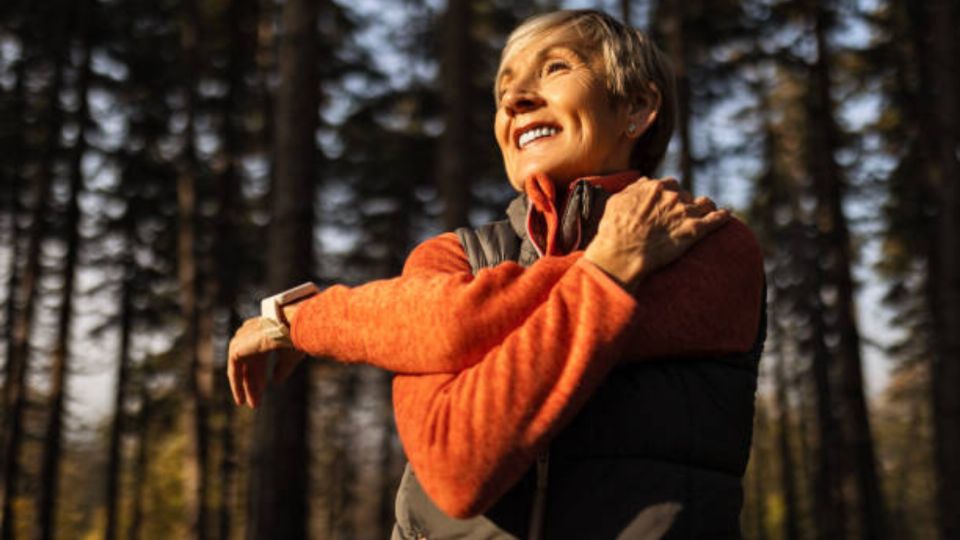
272,320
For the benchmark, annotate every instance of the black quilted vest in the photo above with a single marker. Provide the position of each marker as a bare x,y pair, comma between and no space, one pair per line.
659,451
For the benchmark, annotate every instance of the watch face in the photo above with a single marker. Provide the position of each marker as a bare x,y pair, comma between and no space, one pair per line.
270,307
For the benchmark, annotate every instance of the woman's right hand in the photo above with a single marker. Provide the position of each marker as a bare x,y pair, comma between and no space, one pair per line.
648,225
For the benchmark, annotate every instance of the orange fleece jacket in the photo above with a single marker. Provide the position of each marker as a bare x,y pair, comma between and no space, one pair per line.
490,367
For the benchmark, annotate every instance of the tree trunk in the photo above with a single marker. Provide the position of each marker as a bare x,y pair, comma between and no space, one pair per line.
13,277
115,460
228,452
672,17
140,465
242,43
50,468
16,391
829,503
759,459
278,491
944,265
835,255
625,14
454,169
195,411
791,517
390,463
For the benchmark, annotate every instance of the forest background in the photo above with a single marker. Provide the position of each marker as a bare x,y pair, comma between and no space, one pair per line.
165,164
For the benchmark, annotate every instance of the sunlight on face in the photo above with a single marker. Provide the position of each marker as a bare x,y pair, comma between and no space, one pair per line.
554,116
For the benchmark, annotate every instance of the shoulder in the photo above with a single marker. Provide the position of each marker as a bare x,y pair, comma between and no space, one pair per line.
732,245
440,254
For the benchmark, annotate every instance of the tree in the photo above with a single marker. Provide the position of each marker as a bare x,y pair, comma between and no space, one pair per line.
278,490
15,390
53,438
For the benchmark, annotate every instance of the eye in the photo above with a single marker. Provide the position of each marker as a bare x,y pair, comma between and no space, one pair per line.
553,66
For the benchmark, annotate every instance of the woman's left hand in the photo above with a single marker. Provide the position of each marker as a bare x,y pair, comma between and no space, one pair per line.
248,361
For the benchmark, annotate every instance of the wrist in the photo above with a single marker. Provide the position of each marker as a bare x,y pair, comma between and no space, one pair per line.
626,270
279,310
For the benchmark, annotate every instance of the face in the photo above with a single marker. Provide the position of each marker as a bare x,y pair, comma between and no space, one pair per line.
554,115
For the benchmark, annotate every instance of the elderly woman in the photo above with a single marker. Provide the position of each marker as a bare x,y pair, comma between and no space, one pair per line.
584,368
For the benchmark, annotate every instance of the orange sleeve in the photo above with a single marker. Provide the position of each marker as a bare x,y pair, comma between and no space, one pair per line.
435,318
471,435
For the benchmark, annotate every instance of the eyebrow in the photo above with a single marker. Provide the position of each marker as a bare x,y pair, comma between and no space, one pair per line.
507,72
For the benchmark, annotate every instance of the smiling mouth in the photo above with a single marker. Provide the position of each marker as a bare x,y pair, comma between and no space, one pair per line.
535,133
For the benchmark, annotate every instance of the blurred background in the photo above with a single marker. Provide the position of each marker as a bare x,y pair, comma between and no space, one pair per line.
166,163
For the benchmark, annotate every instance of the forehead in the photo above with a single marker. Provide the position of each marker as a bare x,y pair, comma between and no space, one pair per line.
540,43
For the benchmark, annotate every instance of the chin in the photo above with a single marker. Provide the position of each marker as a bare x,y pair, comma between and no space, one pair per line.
559,173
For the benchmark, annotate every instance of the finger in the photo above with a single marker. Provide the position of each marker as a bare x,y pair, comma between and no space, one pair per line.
705,201
234,382
712,221
701,207
234,365
670,183
241,374
255,379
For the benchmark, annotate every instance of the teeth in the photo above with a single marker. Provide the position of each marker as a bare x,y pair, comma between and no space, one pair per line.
534,134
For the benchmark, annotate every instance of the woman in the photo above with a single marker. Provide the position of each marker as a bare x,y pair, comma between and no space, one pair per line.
585,368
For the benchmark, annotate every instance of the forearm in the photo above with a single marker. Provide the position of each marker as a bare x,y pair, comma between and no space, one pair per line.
432,319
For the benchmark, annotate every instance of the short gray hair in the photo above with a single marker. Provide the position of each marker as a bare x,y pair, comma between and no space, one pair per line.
631,62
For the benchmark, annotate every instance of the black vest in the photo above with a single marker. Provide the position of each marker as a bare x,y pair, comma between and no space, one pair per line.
658,451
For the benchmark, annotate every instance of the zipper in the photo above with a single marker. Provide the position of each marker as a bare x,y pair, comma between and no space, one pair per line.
580,187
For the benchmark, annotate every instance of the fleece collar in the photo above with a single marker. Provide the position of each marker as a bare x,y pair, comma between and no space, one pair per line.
558,229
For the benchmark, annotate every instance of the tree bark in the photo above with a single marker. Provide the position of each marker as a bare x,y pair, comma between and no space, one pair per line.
16,391
759,459
242,47
944,265
140,465
196,402
15,176
791,518
278,492
673,19
454,169
829,502
50,468
390,460
115,459
834,239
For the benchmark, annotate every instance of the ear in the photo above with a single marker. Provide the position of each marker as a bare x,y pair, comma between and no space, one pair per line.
643,112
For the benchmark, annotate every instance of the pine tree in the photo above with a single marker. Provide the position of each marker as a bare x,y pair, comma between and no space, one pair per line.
278,489
53,437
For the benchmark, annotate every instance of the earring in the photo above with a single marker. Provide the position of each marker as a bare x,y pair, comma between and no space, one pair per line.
631,128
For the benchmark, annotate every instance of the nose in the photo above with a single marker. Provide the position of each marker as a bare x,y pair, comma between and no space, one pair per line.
518,101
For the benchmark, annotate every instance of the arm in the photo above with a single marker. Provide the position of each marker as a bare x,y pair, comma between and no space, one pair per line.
469,436
436,317
472,435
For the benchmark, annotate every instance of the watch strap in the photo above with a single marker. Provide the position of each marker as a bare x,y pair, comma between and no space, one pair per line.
271,310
